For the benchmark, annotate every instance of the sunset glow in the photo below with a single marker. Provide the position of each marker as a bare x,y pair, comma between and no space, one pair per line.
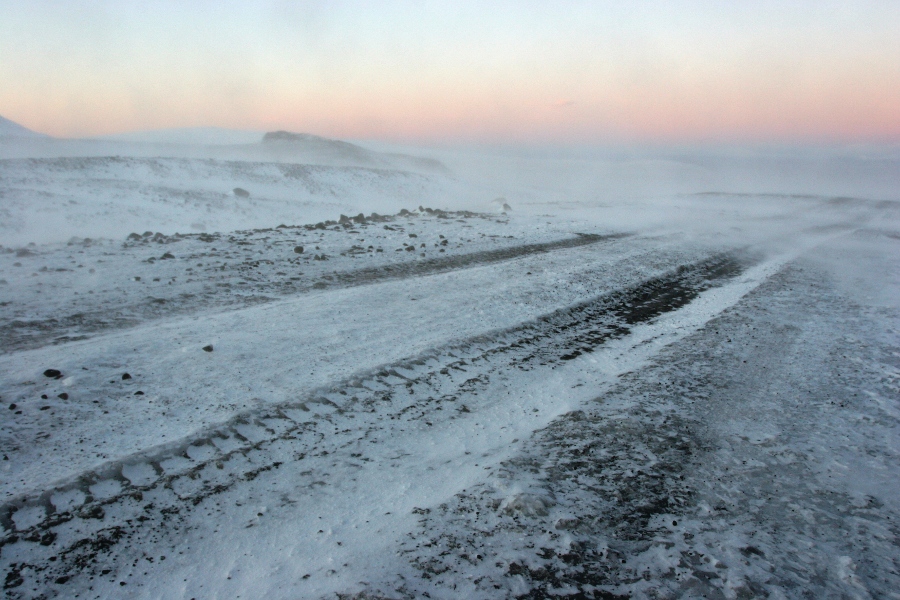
580,72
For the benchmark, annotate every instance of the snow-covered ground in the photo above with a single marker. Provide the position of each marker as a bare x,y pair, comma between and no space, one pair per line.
649,394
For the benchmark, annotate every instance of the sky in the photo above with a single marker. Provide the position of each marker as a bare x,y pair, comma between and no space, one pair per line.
565,72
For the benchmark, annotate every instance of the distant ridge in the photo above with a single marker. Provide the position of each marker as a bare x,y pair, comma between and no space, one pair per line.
315,143
338,150
11,129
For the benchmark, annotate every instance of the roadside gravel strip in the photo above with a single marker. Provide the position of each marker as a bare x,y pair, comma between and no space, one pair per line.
156,277
65,537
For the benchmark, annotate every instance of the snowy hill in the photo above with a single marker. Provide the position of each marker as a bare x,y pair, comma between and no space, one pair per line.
14,130
53,199
305,147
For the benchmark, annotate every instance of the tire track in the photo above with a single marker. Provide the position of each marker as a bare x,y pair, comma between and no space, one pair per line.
53,535
26,334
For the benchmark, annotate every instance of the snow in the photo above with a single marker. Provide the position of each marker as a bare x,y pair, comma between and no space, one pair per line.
10,131
654,393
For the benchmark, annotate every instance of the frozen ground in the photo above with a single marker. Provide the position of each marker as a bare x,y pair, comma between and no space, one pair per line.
681,398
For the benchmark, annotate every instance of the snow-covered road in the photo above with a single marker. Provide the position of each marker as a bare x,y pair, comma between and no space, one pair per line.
531,413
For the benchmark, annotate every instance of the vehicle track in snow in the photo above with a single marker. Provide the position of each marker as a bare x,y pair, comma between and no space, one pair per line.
251,286
70,530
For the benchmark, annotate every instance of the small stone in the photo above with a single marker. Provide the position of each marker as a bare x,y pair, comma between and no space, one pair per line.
12,406
208,348
44,396
125,376
298,249
63,396
139,393
166,256
241,192
56,374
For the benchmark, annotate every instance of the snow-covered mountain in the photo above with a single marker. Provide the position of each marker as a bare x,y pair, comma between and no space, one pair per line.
11,129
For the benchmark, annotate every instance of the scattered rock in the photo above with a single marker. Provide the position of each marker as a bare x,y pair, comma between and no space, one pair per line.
530,505
241,192
298,249
54,373
167,255
13,406
94,512
125,376
135,237
48,538
139,393
568,523
208,348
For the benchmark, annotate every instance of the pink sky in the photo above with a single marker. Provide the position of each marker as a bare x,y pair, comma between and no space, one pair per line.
579,72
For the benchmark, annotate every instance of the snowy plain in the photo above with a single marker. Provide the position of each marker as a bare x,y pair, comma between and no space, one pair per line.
644,377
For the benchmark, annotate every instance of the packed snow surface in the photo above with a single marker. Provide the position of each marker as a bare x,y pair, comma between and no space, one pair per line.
363,383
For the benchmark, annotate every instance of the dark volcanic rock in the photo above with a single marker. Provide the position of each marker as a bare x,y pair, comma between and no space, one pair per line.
298,249
56,374
241,192
125,376
208,348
